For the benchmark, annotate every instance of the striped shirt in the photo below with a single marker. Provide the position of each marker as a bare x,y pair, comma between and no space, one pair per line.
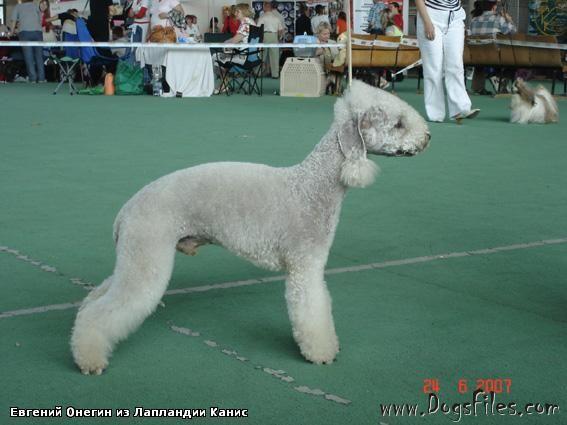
452,5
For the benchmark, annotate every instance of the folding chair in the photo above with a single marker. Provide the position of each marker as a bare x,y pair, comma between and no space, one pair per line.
91,57
67,63
245,76
216,37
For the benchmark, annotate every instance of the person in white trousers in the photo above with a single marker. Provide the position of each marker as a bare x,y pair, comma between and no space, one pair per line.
441,36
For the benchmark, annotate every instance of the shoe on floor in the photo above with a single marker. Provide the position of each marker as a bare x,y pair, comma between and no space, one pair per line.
470,114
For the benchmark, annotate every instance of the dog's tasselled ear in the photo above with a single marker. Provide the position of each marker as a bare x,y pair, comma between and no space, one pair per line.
357,170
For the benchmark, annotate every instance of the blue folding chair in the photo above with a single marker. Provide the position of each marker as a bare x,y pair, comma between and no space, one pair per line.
92,57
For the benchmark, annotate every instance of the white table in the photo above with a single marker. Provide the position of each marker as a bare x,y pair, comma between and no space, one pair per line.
188,72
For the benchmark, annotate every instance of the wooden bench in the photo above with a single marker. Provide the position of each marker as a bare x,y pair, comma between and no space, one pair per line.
374,60
511,57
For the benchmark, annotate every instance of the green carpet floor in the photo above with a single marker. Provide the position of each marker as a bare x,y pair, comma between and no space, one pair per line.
455,309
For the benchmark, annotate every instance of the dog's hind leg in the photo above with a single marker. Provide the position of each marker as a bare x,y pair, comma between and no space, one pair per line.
309,308
115,309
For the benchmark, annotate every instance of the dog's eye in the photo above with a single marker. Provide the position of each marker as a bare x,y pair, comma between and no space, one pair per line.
399,124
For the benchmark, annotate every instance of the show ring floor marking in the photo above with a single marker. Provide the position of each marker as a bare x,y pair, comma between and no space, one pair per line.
45,267
276,373
239,283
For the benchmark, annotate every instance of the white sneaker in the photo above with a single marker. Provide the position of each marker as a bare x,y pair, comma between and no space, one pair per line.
20,79
469,114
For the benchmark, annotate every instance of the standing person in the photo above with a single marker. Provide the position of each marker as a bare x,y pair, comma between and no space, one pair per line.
374,17
45,12
321,16
230,24
273,33
98,23
140,12
342,23
27,17
441,37
280,17
396,15
160,12
303,22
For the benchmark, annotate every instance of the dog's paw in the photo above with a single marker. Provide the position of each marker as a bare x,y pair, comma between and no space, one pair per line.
90,352
320,350
92,370
90,364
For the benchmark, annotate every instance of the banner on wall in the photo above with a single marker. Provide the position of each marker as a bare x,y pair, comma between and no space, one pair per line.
548,17
360,10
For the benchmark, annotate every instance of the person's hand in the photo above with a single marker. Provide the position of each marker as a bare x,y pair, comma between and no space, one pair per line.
429,30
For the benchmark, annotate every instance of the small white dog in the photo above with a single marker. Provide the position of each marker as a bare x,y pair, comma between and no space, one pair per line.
532,105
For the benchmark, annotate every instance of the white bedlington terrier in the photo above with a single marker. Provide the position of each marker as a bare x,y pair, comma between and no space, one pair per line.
277,218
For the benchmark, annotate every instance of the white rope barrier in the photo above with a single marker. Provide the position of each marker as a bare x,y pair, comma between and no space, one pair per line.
172,46
407,68
411,42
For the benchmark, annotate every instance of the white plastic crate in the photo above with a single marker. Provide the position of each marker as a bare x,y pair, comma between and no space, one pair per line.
302,77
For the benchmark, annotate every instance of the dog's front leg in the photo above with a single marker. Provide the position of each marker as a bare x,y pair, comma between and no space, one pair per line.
309,308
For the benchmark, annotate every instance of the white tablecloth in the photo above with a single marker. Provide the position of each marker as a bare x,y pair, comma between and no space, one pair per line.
188,72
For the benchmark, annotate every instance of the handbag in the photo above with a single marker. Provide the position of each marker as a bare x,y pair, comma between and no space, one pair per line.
129,79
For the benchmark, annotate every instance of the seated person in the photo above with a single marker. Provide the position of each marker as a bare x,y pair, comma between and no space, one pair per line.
119,37
67,22
489,23
390,28
192,29
214,25
243,14
326,54
230,22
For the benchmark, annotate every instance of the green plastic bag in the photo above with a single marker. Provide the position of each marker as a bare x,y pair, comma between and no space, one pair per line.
92,90
129,79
